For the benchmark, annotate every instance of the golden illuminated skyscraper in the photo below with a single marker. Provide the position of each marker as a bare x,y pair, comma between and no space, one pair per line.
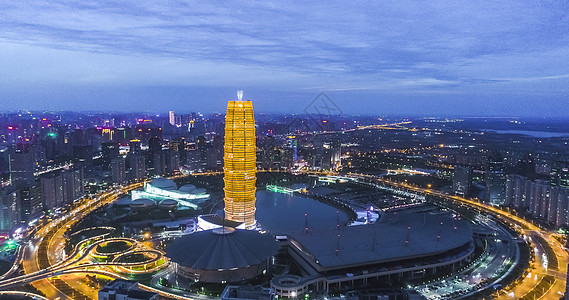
240,162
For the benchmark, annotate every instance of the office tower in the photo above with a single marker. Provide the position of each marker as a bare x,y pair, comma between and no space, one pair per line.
118,170
461,180
9,209
495,181
22,163
137,166
240,162
171,118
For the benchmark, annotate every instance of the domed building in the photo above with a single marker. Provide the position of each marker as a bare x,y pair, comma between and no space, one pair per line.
168,204
142,204
222,255
187,188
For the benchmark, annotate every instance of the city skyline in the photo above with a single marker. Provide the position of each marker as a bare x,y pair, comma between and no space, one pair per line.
440,58
401,150
213,204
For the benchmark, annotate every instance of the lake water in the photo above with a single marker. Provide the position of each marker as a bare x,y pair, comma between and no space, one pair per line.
537,134
281,213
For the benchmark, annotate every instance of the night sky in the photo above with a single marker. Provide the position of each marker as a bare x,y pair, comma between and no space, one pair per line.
498,58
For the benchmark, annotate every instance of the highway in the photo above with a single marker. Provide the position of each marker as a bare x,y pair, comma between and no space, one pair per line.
481,274
41,253
57,276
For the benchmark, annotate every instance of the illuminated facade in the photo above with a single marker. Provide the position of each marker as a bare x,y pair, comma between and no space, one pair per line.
240,162
160,189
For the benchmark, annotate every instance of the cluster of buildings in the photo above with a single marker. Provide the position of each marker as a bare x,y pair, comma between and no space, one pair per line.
541,199
544,197
31,193
49,162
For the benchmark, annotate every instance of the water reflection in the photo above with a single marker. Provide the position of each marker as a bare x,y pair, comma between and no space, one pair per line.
281,213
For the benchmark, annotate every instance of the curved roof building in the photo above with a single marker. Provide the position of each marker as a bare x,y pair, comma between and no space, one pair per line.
162,188
163,184
142,204
168,204
397,237
222,255
187,188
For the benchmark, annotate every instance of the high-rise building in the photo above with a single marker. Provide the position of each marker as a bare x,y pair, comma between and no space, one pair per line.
118,170
135,146
30,202
335,153
109,151
495,182
22,164
61,188
172,163
240,162
158,162
544,201
560,174
461,180
172,118
517,191
137,166
9,208
107,134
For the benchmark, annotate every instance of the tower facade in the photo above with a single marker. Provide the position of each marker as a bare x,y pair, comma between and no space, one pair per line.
240,163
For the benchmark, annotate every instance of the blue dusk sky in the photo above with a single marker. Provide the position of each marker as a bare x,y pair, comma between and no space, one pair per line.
497,58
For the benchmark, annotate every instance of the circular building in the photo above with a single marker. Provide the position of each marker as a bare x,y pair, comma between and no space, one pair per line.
142,205
163,184
222,255
168,204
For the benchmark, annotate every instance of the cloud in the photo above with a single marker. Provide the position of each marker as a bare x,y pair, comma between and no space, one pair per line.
403,46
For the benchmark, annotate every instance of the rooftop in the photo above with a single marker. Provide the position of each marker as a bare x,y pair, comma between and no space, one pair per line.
398,236
163,183
210,250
